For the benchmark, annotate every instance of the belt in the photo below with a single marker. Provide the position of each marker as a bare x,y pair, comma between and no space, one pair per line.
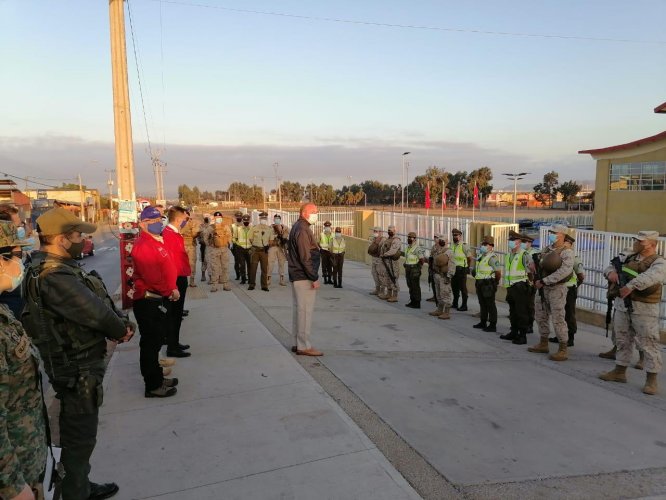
152,295
258,248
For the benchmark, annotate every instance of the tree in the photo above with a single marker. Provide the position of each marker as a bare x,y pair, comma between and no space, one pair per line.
482,177
545,191
569,190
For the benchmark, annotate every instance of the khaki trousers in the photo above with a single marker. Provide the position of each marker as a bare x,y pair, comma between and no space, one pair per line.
303,310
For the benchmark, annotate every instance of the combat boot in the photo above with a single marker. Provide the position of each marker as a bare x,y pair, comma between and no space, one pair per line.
383,295
282,282
480,324
570,341
463,307
650,384
490,328
512,335
375,291
446,314
617,374
520,339
554,340
455,303
393,297
226,287
436,312
213,289
561,354
610,354
541,347
641,360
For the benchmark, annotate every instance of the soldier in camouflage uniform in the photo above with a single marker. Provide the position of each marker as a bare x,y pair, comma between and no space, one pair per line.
556,266
22,428
218,238
277,248
69,316
443,271
190,233
376,239
390,252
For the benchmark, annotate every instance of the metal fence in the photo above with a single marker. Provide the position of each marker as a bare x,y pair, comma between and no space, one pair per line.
425,226
343,219
570,219
595,250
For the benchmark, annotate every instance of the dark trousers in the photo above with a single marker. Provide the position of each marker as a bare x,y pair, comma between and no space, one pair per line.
459,284
413,278
338,260
238,260
326,264
519,296
259,256
175,314
485,292
570,310
202,252
152,324
79,409
243,262
532,291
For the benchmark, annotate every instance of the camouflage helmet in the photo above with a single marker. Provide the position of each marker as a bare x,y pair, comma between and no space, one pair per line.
8,236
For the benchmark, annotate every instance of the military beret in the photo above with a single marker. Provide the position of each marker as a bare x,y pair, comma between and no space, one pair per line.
62,221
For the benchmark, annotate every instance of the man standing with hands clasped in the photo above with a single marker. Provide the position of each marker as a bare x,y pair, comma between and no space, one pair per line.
304,259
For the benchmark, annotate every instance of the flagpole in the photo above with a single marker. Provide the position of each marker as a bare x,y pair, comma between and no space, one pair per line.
443,198
428,201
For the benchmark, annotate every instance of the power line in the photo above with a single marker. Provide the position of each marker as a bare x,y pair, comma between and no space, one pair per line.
414,27
162,72
28,181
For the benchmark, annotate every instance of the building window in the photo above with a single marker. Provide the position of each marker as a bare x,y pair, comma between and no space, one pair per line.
640,176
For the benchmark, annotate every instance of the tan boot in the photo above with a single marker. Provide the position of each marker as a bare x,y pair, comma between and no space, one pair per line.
226,287
561,354
166,372
375,291
650,384
213,289
617,374
541,347
393,297
436,312
641,360
445,314
167,362
383,296
610,354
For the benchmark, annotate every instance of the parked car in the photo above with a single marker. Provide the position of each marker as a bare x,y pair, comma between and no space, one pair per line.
524,223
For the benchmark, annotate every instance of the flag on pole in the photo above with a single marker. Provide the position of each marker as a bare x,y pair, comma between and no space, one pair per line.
476,195
458,197
427,196
443,196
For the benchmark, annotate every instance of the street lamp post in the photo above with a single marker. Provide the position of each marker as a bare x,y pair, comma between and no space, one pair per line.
407,185
515,178
402,186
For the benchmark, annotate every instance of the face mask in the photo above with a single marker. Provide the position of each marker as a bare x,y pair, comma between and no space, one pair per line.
523,246
390,234
512,244
483,249
75,249
456,239
263,221
376,234
442,243
16,280
31,244
313,218
246,223
239,220
182,224
552,238
327,230
154,228
410,240
277,220
20,233
638,246
218,220
338,235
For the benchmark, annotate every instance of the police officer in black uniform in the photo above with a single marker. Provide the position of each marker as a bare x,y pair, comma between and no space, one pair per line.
69,315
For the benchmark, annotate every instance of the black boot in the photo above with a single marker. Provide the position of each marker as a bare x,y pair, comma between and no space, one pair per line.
243,280
530,329
490,328
520,339
553,340
463,307
101,491
509,336
455,303
570,342
480,324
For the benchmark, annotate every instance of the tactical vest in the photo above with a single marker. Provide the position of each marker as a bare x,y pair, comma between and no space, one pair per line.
373,249
459,256
338,245
220,236
514,268
62,339
386,245
411,259
441,262
484,270
551,262
632,268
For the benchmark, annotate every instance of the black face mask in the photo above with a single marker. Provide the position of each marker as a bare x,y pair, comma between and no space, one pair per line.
239,220
246,224
456,239
410,240
390,234
442,243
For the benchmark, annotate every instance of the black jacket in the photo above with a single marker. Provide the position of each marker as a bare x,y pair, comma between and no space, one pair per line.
303,254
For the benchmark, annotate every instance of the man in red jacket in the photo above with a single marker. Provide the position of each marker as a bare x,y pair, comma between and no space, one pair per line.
175,245
154,289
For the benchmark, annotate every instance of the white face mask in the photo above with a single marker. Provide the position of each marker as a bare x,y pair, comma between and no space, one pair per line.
16,280
263,221
338,235
218,220
313,218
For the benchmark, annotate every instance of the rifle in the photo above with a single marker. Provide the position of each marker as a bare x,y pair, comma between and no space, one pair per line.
389,270
536,258
614,291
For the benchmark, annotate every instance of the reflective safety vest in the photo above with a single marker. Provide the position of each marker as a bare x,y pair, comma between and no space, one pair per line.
235,229
484,270
243,239
573,281
338,245
411,258
325,241
459,255
514,269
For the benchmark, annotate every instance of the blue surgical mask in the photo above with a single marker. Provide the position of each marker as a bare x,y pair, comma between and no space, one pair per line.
552,238
20,233
277,220
512,244
483,249
155,228
16,280
30,246
182,224
523,246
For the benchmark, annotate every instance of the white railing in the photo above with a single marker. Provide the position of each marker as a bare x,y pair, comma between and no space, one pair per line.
425,226
596,249
343,219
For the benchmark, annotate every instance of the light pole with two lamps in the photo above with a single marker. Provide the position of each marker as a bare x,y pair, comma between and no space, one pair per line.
515,178
402,186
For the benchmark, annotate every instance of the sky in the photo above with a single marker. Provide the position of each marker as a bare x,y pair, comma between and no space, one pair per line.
228,92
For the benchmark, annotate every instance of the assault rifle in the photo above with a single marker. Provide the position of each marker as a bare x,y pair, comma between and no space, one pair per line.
538,275
614,292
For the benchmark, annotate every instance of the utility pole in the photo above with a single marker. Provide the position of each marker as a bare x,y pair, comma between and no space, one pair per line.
277,183
127,209
158,170
82,200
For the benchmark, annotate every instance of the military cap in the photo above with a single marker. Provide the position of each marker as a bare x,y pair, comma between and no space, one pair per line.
647,235
488,240
62,221
275,216
526,237
327,223
570,235
217,214
263,215
246,218
411,234
435,236
338,229
238,213
8,236
513,235
558,228
456,231
391,227
377,228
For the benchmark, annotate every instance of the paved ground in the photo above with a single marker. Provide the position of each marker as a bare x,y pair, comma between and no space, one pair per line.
458,412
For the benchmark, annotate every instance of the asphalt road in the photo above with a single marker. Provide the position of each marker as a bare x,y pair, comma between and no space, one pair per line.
106,260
